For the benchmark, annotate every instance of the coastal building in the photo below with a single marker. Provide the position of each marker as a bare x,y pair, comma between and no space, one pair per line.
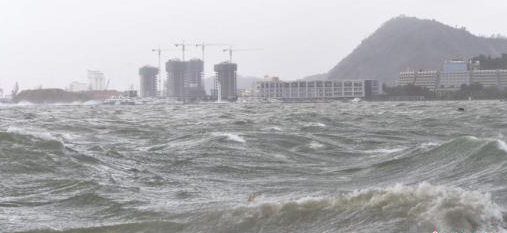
426,79
452,81
96,80
184,79
453,75
226,77
455,66
77,87
308,90
148,81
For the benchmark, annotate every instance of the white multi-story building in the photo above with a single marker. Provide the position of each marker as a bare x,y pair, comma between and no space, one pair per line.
453,81
77,87
426,79
453,75
487,78
332,89
96,80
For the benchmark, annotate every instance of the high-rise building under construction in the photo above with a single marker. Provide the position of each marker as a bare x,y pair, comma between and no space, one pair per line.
184,79
148,76
226,78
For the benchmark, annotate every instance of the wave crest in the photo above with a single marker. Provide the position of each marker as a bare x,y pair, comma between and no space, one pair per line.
424,207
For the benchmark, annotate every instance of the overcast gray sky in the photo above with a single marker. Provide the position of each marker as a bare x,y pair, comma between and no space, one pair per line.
54,42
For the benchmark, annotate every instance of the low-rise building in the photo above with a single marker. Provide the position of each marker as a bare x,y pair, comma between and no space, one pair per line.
453,75
307,90
426,79
452,81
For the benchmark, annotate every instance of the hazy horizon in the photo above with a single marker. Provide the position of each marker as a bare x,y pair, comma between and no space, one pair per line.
52,43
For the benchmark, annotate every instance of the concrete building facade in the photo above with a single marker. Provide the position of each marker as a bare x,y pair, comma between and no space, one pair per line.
442,82
96,80
148,81
184,79
226,76
453,75
336,89
426,79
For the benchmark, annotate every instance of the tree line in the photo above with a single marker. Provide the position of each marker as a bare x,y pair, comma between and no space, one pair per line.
489,63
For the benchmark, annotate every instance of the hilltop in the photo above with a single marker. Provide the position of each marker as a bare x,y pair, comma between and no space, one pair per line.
406,43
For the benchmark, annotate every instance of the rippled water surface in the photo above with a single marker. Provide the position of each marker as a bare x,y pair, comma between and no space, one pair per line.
334,167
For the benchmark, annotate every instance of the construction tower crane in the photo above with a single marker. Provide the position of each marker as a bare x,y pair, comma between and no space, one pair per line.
183,46
219,83
231,50
160,51
204,45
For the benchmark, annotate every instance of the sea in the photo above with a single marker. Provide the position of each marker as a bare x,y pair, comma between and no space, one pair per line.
367,167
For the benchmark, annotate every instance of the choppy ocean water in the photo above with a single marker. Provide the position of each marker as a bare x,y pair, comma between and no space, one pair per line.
332,167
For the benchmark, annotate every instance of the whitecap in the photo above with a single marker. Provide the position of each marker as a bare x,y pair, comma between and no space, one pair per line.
280,156
34,133
230,137
428,206
273,128
25,103
385,150
316,145
501,145
316,124
429,145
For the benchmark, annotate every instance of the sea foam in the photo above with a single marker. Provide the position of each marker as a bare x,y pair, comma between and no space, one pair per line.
230,137
424,206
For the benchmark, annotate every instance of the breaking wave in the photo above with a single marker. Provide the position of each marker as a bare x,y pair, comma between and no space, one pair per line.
230,137
272,168
411,208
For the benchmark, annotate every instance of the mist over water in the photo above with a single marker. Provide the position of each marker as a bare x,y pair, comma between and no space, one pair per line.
331,167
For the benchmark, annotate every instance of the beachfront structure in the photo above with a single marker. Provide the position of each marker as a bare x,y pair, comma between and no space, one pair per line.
441,82
426,79
308,90
148,81
453,75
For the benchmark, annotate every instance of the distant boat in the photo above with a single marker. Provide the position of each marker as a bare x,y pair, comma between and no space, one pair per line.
356,100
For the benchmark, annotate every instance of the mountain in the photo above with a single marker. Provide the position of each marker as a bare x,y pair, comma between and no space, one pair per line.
317,77
407,43
244,82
